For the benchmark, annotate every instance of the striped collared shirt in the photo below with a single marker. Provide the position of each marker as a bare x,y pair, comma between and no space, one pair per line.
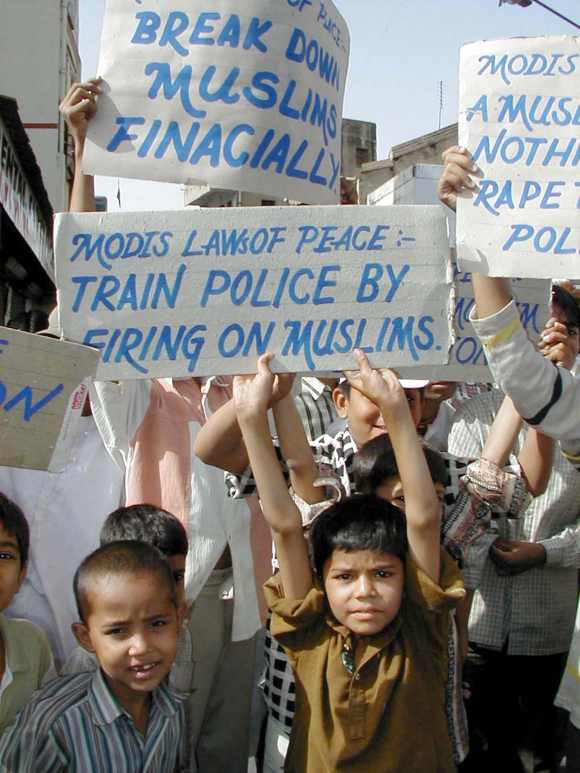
75,725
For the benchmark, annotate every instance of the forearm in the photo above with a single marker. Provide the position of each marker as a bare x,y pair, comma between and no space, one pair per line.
421,503
536,459
296,450
422,508
503,433
220,443
545,396
279,510
491,294
82,197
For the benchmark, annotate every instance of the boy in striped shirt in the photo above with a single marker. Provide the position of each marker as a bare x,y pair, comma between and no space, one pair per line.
123,717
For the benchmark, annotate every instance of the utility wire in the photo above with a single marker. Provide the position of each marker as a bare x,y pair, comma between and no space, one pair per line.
557,13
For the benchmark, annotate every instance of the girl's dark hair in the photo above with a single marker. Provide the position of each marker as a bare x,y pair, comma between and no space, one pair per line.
146,523
359,522
375,462
14,522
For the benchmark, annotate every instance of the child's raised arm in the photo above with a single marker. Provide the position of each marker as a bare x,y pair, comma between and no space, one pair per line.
422,507
78,107
296,450
252,395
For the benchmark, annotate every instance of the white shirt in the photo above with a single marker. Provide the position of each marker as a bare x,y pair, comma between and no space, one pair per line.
65,512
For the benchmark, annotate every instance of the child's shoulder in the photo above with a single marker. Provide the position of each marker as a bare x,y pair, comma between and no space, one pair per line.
24,633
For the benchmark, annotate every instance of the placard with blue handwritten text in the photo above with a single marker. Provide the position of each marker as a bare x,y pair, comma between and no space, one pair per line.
244,96
467,361
205,292
519,115
42,395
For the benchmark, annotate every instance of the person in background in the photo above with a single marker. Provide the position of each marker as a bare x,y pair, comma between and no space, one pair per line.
62,531
522,619
25,655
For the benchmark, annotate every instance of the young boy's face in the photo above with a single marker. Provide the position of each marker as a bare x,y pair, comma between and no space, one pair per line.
12,573
132,627
364,589
364,418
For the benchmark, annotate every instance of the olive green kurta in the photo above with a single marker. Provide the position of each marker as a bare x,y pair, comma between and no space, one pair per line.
389,715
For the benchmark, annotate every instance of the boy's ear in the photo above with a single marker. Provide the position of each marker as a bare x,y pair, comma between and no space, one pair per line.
83,636
340,401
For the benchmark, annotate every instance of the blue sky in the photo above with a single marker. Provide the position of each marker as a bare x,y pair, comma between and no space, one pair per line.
400,50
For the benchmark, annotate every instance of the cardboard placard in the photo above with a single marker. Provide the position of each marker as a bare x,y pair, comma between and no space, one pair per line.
239,96
41,397
520,118
204,292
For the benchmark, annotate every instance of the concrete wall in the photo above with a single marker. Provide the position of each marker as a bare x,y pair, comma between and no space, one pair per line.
357,134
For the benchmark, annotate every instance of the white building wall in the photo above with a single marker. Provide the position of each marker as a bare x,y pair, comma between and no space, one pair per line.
39,58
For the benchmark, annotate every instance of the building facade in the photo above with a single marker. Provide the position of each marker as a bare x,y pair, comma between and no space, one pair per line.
39,44
27,292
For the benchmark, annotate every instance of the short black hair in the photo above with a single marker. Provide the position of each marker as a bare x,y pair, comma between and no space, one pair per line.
375,462
14,523
117,558
149,524
566,301
372,464
359,522
436,465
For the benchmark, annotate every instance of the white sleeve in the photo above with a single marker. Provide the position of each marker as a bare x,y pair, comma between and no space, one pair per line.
547,397
118,409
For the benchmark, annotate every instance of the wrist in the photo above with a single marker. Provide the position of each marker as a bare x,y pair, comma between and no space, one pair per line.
251,414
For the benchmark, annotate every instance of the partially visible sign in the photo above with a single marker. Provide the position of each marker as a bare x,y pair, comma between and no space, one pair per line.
204,292
245,96
41,397
520,118
467,360
18,200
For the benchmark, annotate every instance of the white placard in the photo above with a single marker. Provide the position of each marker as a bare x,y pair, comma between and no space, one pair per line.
467,361
520,118
41,397
244,96
204,292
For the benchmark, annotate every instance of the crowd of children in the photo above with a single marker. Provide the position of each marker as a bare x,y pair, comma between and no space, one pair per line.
414,614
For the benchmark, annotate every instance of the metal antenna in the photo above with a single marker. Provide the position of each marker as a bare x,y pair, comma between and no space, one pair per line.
440,102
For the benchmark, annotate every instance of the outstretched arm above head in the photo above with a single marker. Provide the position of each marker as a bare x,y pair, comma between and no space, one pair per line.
491,293
252,395
422,507
78,107
220,442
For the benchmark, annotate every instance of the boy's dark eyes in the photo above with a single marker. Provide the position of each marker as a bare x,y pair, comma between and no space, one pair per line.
114,631
384,573
159,622
5,555
179,576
